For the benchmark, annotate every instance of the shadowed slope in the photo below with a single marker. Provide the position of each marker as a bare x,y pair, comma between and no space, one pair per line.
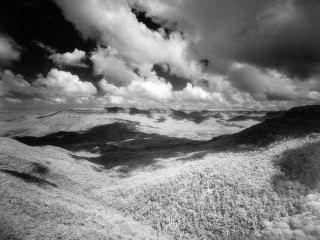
249,116
29,178
302,164
114,109
196,117
308,113
244,118
296,122
116,144
120,143
49,115
99,134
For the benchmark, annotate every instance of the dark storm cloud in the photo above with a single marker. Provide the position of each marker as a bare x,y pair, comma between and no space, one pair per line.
260,85
178,83
282,35
150,23
286,38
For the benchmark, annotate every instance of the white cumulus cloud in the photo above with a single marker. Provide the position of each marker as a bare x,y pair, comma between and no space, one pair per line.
107,62
139,90
64,83
74,58
57,87
113,23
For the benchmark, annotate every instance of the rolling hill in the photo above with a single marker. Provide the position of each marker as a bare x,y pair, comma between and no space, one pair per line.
116,181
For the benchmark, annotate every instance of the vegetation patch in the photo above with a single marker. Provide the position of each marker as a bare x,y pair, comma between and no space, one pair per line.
204,205
302,164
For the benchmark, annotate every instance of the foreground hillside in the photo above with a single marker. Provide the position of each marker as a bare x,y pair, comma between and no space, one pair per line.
117,182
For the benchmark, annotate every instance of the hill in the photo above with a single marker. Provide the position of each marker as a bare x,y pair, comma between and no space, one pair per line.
47,194
296,122
169,122
115,181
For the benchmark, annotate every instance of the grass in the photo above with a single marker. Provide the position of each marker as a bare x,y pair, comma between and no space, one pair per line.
240,195
227,200
32,208
203,205
262,183
305,225
302,164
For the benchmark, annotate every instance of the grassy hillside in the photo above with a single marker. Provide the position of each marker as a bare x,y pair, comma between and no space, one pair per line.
236,196
261,183
45,194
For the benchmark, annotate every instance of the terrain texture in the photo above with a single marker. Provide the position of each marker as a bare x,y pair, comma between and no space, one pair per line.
160,174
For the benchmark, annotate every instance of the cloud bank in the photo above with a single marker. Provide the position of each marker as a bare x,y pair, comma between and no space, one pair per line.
229,54
276,42
57,87
281,35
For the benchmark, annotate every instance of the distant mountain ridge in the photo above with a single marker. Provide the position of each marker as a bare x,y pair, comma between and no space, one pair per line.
190,115
296,122
197,116
125,136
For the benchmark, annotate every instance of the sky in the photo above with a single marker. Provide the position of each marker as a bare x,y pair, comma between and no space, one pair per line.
187,54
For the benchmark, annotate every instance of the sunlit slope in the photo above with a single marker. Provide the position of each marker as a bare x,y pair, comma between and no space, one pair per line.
45,194
260,183
244,195
269,194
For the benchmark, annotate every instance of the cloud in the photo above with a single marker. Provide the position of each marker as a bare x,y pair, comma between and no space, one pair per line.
271,85
281,35
113,23
275,41
65,84
286,41
158,91
13,100
149,90
148,86
9,50
226,53
11,82
195,93
139,90
45,47
58,86
107,62
74,59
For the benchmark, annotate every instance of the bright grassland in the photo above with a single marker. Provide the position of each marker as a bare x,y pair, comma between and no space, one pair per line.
257,195
269,193
262,183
